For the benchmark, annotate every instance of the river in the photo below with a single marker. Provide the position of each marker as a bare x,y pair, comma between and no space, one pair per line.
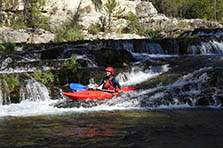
185,128
145,118
178,102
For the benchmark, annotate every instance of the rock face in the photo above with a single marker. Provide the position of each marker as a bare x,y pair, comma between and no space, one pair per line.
145,9
60,11
7,34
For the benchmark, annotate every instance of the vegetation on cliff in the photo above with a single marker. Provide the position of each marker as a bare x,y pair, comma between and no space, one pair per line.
211,10
31,17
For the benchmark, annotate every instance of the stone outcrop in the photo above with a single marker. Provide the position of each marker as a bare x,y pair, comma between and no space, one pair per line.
60,11
7,34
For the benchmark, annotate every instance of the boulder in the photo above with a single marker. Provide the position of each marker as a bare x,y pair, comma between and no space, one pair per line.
145,9
8,34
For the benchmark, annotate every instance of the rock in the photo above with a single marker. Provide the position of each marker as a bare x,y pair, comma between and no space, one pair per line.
145,9
117,58
8,34
60,11
113,35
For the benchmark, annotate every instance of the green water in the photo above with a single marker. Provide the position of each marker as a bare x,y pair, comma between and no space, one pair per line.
188,128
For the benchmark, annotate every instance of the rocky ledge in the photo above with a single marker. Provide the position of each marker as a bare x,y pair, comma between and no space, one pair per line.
59,12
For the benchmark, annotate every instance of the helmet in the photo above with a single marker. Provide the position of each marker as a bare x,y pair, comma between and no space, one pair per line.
110,69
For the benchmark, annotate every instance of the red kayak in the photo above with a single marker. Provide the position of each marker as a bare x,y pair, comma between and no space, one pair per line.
94,94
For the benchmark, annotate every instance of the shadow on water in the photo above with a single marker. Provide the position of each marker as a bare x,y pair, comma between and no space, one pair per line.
152,128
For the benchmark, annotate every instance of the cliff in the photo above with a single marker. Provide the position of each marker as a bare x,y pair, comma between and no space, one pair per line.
50,15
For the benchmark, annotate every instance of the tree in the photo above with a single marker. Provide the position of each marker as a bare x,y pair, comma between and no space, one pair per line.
112,9
32,13
204,9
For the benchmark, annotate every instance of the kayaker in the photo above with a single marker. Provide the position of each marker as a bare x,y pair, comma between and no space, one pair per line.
109,82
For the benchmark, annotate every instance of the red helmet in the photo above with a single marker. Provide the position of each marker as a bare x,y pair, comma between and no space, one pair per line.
110,69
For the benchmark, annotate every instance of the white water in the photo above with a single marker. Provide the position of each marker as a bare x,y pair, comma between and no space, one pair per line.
36,100
212,47
137,76
40,103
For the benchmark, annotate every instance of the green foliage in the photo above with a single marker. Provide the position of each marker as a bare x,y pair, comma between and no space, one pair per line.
204,9
17,21
8,4
72,64
133,23
112,9
182,24
2,47
33,16
42,76
65,35
150,33
8,47
11,80
30,17
70,30
94,28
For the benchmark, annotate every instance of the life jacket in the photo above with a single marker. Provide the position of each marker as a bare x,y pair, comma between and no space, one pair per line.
108,84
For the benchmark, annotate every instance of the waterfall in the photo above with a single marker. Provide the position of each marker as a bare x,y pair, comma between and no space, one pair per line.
141,46
34,91
211,47
137,75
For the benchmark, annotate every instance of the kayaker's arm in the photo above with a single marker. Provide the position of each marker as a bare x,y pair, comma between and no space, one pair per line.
99,84
116,84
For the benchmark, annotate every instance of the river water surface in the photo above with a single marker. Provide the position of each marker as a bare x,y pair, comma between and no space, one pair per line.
163,116
185,128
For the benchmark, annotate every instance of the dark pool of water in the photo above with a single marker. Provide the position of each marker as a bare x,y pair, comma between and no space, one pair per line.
188,128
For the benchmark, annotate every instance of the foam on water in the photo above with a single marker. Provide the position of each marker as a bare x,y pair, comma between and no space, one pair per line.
33,104
132,100
137,76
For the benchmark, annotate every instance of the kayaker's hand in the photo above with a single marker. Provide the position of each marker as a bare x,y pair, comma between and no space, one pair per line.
120,91
95,87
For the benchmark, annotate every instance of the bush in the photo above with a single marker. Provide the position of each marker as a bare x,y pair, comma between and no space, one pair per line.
72,64
30,17
133,23
150,33
70,31
94,28
8,47
72,34
42,76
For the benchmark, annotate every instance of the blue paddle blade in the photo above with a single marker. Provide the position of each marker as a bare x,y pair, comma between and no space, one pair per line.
76,86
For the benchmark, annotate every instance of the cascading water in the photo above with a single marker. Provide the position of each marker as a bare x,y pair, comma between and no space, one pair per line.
211,47
190,86
34,91
137,75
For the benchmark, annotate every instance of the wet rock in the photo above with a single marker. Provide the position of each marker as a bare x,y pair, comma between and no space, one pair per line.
116,58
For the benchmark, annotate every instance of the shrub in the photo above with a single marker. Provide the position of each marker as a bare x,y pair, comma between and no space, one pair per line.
133,23
72,64
150,33
42,76
70,30
94,28
72,34
8,47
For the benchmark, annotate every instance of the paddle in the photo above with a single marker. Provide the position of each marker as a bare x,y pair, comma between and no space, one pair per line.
76,86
